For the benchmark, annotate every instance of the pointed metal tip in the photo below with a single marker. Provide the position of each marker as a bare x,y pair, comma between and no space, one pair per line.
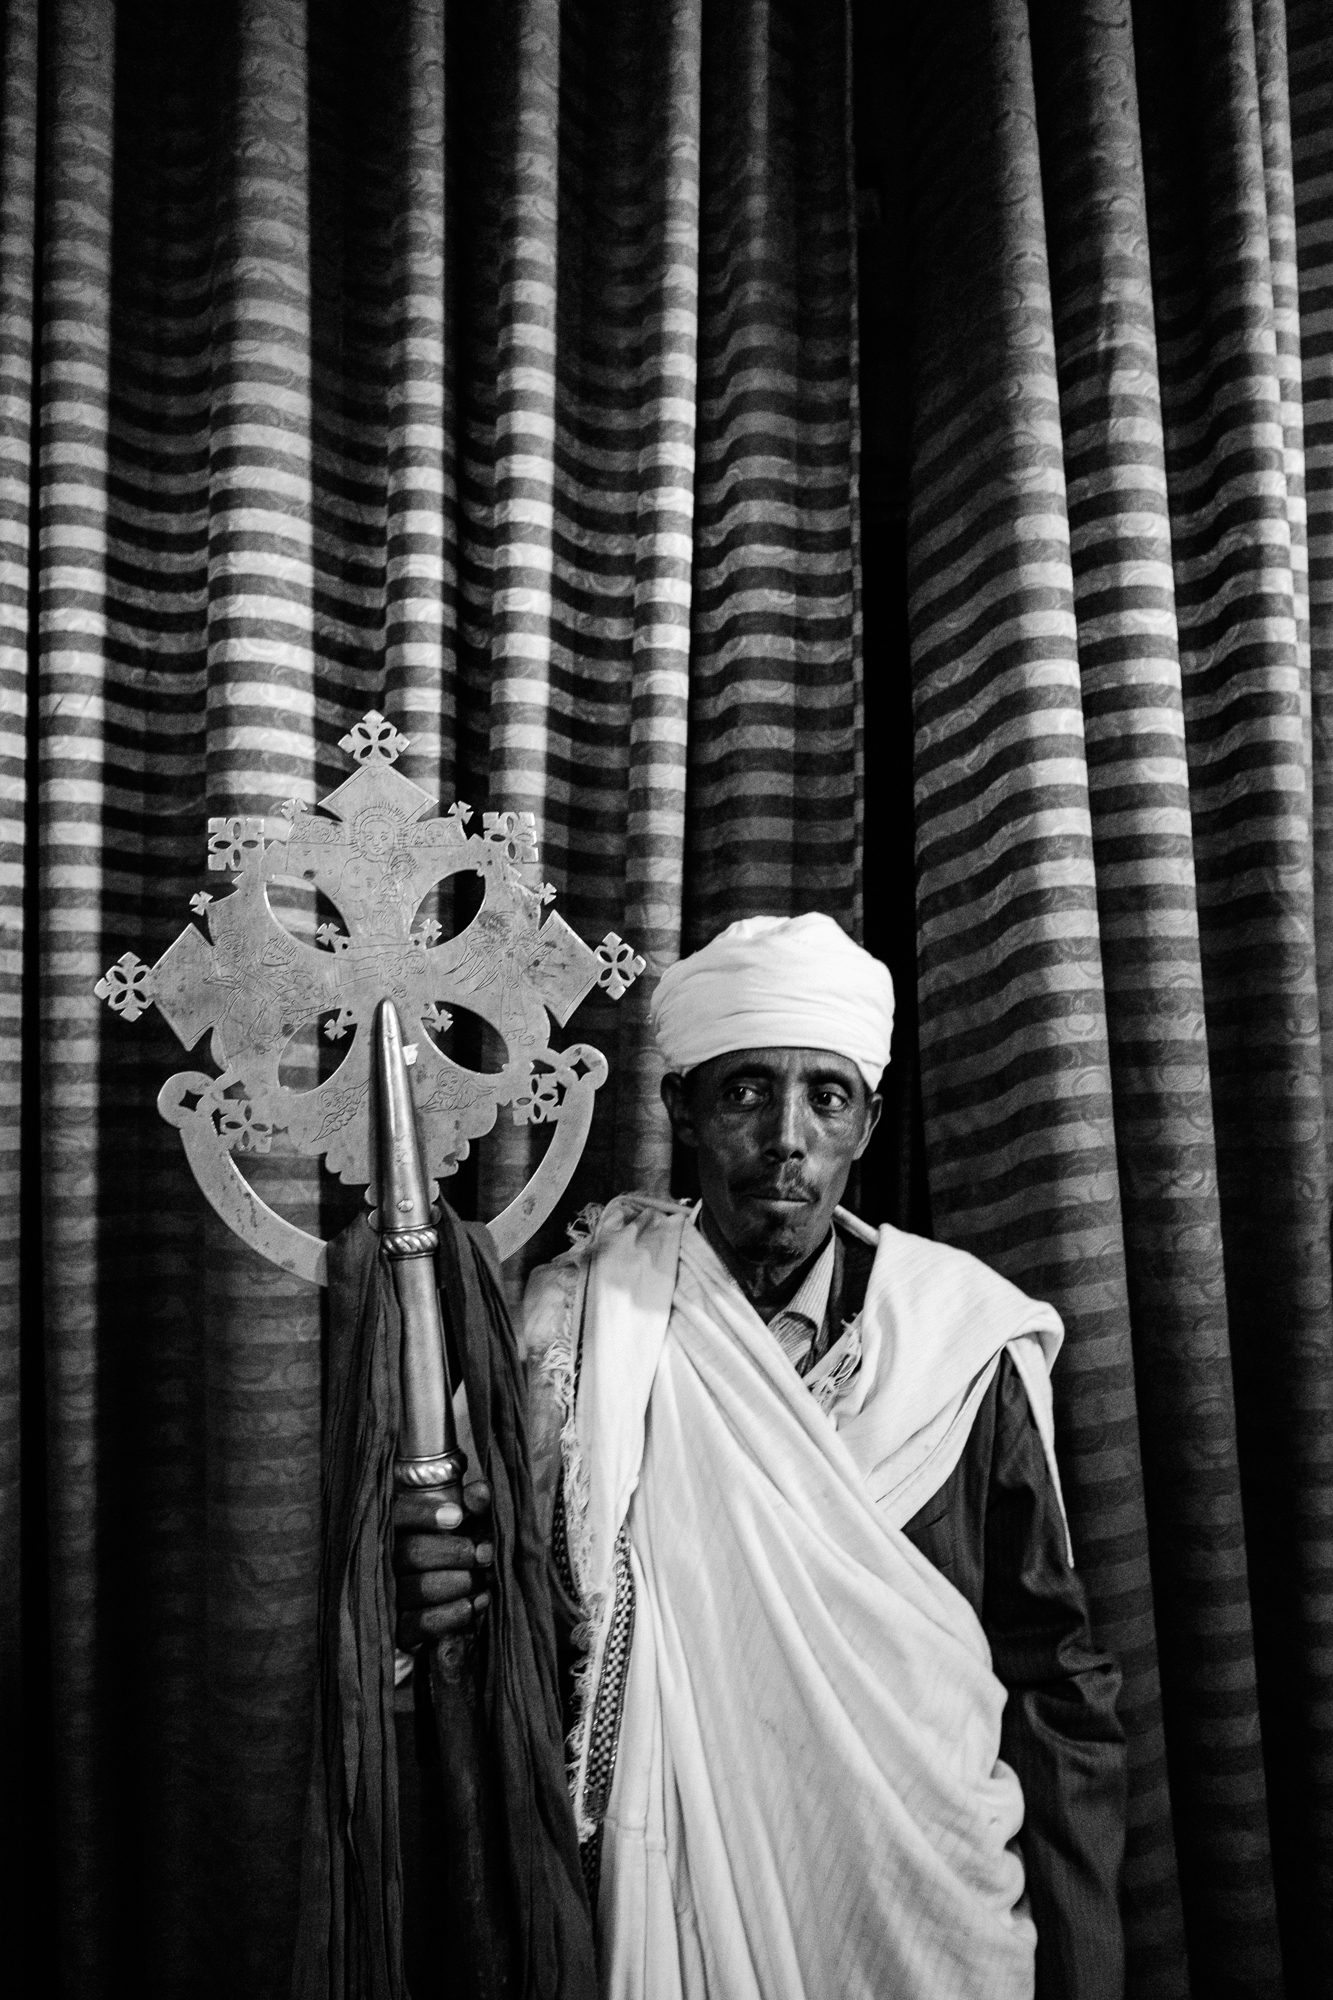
404,1193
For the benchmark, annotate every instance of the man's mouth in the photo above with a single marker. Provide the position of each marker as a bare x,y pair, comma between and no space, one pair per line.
793,1197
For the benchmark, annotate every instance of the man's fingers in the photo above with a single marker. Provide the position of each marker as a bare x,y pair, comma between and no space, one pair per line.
414,1626
423,1510
426,1511
435,1586
434,1552
441,1621
437,1567
443,1618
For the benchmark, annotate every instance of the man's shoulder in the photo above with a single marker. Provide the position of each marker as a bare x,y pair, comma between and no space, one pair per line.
549,1297
950,1299
903,1256
923,1260
552,1290
600,1220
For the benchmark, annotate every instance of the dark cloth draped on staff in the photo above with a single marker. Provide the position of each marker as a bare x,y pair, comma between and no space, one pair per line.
349,1940
553,1934
349,1943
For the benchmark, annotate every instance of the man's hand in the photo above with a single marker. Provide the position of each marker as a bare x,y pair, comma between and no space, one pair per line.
441,1561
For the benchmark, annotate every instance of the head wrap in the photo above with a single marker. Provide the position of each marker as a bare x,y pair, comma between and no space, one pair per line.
775,983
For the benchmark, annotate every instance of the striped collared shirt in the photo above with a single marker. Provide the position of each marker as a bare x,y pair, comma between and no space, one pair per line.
796,1327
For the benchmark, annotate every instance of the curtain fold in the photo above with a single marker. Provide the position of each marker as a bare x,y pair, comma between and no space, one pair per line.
488,366
18,185
1122,843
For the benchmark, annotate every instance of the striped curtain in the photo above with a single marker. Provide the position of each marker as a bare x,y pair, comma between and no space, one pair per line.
487,365
1122,638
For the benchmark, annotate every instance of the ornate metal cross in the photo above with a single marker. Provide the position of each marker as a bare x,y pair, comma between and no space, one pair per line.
254,986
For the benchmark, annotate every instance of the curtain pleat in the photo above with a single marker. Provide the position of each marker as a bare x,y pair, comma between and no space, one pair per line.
1123,867
18,188
1310,61
1016,1072
488,366
1139,794
71,527
774,605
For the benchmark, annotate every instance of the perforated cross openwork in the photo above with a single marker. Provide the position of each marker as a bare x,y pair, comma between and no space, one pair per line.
253,986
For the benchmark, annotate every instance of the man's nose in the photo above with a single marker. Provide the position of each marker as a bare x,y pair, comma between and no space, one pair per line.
786,1137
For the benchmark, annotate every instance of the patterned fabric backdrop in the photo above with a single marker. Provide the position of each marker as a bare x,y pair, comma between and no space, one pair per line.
493,366
488,365
1122,634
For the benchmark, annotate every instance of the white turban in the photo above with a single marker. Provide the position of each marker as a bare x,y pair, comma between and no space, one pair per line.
776,983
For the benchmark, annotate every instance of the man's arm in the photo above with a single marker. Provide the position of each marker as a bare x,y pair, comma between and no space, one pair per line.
1060,1731
996,1531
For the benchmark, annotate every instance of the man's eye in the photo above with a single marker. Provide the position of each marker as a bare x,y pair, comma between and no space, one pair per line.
743,1094
831,1100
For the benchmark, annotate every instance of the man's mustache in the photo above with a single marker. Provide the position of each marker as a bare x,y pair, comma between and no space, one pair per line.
779,1190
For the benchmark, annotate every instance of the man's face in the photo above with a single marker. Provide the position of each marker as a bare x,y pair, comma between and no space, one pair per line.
776,1131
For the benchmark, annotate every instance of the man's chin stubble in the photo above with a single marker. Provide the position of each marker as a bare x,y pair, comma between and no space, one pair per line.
781,1242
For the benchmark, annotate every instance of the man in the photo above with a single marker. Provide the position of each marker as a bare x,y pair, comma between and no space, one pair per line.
840,1727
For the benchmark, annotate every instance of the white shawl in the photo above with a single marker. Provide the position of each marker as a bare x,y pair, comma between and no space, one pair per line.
807,1797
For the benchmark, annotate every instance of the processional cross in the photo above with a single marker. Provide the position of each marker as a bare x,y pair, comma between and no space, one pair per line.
370,851
395,1114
